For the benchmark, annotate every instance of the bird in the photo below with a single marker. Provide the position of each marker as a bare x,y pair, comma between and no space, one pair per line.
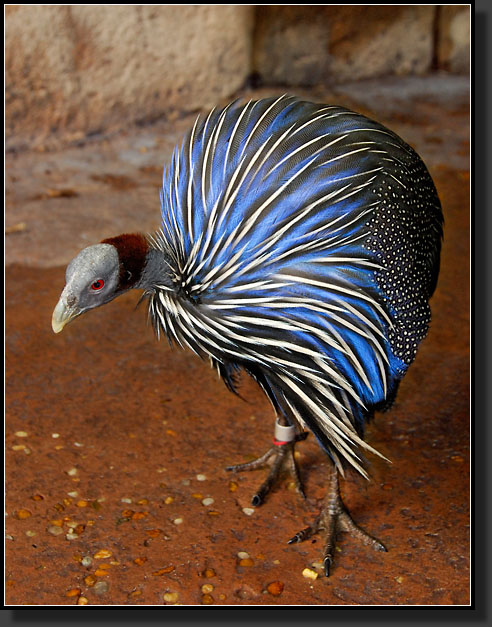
300,244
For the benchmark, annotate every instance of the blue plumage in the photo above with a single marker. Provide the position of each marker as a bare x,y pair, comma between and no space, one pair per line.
287,223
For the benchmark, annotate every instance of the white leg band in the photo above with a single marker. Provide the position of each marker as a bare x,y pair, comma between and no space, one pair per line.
284,433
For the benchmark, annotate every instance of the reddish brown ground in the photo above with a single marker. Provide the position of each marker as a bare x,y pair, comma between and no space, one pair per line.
138,424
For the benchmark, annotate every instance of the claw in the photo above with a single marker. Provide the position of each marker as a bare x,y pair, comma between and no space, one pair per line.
334,517
327,562
304,534
283,456
257,500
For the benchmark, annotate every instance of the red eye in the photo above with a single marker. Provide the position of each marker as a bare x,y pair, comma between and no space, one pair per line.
97,285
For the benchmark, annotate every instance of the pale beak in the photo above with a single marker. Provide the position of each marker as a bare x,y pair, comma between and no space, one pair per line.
62,315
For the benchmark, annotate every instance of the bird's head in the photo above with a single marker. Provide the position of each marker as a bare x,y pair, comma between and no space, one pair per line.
98,274
91,280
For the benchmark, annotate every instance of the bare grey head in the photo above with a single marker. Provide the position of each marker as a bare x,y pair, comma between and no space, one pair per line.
92,279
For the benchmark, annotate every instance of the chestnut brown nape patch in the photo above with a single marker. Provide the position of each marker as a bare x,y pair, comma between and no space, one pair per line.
132,250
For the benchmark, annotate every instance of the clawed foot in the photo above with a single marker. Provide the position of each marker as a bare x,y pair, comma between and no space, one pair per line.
334,517
283,455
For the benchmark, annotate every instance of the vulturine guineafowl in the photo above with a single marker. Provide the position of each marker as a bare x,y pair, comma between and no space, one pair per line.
300,243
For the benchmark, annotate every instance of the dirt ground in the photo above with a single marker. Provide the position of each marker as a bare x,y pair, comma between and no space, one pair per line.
116,445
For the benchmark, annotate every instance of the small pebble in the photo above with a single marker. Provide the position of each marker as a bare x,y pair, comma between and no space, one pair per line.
177,521
399,579
21,434
86,561
101,572
170,597
72,472
185,481
58,522
246,562
18,447
207,599
54,530
101,587
77,444
90,580
207,588
168,500
163,571
153,533
126,500
21,514
201,477
102,554
55,435
207,501
30,534
243,555
275,588
73,592
73,494
249,511
71,536
105,566
139,515
309,574
140,561
209,572
82,601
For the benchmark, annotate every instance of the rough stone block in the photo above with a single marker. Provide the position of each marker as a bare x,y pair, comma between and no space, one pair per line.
73,70
453,46
332,44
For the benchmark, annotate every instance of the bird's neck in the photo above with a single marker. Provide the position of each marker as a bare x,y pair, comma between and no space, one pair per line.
142,265
156,270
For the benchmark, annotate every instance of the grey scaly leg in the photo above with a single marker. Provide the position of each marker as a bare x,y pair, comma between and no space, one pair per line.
335,517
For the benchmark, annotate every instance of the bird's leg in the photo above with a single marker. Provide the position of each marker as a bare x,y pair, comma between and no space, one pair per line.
335,517
282,453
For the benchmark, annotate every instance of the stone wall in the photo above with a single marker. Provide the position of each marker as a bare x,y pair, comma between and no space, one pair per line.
299,45
77,70
73,70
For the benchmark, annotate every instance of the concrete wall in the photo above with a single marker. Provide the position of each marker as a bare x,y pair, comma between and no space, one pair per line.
73,71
